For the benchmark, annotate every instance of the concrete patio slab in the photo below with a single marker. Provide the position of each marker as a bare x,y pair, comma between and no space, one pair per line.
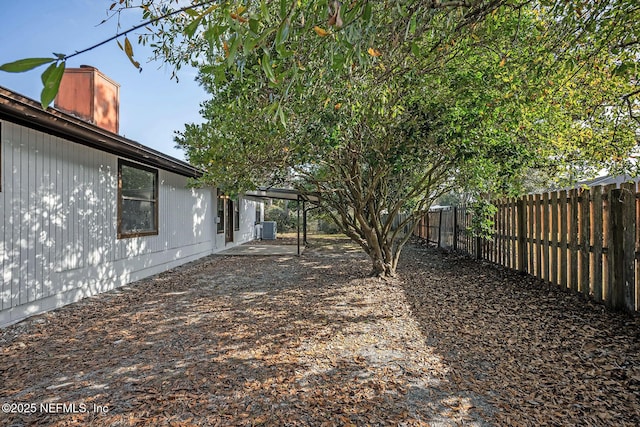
262,250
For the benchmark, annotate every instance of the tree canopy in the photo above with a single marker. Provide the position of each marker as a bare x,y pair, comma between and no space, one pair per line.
380,107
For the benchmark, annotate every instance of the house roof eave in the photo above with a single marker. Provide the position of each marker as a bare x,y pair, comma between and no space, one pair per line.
21,110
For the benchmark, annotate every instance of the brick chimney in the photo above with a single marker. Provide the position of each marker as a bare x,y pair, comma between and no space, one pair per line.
90,95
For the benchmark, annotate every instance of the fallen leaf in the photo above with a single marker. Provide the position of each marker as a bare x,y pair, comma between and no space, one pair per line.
321,32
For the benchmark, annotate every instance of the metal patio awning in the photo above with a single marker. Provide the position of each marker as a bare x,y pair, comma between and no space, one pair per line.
281,194
286,194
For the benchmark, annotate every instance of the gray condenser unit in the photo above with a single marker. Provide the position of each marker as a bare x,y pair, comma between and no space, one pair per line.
269,230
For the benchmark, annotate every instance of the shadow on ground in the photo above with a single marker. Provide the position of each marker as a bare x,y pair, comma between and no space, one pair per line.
315,341
236,341
539,355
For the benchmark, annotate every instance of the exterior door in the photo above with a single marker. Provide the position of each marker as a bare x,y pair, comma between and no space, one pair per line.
228,222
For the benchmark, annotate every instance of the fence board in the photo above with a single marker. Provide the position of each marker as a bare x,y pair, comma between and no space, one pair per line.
596,227
509,236
628,196
494,247
503,231
538,238
500,245
455,229
554,238
514,232
491,251
637,249
607,239
564,265
615,290
573,240
531,235
465,216
585,239
522,234
495,243
440,229
545,237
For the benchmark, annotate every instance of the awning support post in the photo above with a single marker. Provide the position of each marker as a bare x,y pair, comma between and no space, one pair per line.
298,209
304,223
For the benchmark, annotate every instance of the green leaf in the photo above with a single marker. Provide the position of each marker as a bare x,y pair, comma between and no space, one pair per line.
264,36
192,12
415,49
233,50
284,8
266,67
281,116
264,9
412,24
190,30
625,68
249,44
47,73
366,14
254,25
338,61
27,64
282,35
51,79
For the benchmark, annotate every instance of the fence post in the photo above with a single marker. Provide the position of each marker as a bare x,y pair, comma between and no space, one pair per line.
522,235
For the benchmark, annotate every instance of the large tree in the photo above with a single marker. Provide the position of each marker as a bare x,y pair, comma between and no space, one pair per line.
379,107
458,102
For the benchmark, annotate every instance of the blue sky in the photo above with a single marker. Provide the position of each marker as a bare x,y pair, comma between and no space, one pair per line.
152,106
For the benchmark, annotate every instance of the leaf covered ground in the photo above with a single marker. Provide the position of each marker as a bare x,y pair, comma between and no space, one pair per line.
315,341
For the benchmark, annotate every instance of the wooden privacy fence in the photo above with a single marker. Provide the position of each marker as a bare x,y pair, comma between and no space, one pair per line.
585,240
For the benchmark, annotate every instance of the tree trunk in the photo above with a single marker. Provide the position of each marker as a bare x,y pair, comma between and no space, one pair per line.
383,265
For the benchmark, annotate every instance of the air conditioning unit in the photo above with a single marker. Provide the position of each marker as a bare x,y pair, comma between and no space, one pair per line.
269,230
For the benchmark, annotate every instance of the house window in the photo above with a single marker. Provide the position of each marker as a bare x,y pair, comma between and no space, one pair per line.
137,200
220,224
236,215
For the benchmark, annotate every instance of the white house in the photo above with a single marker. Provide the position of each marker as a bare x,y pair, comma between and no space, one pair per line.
84,210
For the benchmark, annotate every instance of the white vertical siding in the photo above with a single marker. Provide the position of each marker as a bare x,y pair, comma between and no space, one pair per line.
4,228
247,220
59,224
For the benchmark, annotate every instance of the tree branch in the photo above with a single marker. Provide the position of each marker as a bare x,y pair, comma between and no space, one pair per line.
137,27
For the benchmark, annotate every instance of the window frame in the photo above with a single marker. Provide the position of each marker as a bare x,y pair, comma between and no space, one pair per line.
220,208
125,234
236,215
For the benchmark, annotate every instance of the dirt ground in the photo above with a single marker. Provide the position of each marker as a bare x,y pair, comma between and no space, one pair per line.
314,341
